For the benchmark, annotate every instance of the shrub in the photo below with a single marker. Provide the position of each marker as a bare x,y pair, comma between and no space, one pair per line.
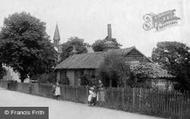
114,71
45,78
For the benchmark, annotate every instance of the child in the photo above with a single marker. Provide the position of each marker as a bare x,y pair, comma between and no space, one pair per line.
92,96
57,91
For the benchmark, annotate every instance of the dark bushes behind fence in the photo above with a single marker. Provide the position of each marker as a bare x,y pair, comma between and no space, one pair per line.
152,102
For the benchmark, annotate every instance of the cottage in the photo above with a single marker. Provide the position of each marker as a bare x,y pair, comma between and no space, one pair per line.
77,65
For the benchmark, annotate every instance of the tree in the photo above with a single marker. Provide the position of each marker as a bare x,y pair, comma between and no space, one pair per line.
98,45
102,45
114,71
175,57
25,45
74,43
49,77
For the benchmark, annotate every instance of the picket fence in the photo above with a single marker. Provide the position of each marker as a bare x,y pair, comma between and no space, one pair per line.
168,104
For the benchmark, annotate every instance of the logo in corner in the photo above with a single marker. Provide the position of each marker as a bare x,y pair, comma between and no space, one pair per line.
160,21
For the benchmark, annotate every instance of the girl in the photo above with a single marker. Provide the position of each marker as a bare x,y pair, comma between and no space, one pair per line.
57,92
92,96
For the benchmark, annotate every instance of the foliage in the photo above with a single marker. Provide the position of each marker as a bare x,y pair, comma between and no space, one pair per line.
102,45
114,70
175,57
68,47
25,46
98,45
45,77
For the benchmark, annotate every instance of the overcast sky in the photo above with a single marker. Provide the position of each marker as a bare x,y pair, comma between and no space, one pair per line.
88,19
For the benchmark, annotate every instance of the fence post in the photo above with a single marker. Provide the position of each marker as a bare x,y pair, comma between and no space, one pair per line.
86,94
123,98
140,100
30,88
181,106
76,94
133,99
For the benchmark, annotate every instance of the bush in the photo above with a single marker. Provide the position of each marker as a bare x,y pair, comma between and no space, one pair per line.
114,71
45,78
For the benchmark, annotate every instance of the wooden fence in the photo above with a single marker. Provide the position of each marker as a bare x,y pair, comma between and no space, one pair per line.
148,101
167,104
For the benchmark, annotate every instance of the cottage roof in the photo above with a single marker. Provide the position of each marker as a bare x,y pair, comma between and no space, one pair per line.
82,61
88,60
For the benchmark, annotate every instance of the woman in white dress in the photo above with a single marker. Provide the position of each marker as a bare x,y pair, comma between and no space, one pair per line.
57,92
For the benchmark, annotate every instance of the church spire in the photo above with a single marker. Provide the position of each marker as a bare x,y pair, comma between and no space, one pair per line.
56,37
56,42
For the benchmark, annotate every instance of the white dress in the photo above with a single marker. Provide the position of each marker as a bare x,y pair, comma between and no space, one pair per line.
90,96
57,91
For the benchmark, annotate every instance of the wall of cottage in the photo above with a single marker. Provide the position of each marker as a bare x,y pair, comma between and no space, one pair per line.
71,76
74,75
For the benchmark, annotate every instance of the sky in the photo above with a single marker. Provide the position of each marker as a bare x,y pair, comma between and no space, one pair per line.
88,19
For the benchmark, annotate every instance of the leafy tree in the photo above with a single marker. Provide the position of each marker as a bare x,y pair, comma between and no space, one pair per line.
102,45
25,45
114,71
175,57
68,47
49,77
98,45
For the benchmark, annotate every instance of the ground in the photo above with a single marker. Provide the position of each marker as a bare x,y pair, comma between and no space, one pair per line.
63,109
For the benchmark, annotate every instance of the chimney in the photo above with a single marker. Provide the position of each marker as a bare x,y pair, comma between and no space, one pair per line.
109,31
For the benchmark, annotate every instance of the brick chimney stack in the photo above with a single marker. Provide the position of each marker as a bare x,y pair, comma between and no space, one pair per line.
109,32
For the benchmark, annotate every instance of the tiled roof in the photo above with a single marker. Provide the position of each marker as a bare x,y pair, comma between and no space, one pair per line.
89,60
82,61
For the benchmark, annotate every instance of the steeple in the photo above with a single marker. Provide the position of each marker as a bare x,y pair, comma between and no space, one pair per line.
56,42
56,37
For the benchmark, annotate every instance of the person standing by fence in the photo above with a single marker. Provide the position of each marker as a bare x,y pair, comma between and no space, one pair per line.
57,91
100,93
92,96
